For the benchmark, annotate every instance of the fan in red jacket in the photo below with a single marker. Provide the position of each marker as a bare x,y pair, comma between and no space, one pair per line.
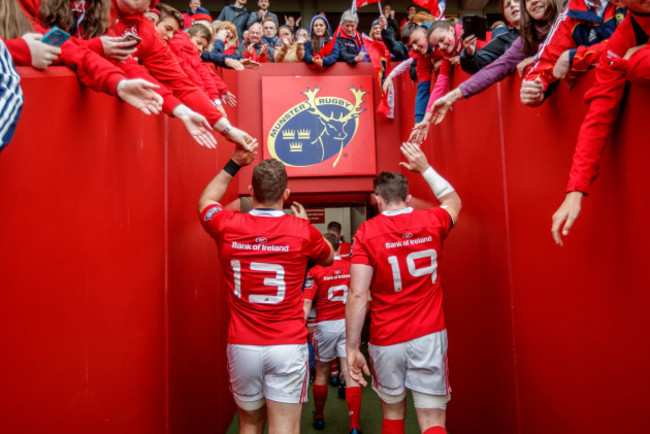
94,71
626,56
200,35
576,42
186,53
90,16
154,54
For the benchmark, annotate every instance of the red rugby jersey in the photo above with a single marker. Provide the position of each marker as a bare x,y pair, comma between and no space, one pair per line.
328,286
344,248
403,246
264,256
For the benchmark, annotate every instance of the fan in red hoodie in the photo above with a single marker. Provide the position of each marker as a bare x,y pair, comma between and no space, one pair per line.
154,54
92,70
626,56
85,23
186,53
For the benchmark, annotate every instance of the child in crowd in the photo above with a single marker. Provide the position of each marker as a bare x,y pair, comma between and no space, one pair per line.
415,37
321,50
200,35
227,51
231,45
536,20
289,50
187,53
447,38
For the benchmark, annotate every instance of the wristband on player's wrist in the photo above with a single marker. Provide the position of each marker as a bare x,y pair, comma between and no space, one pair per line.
231,168
439,185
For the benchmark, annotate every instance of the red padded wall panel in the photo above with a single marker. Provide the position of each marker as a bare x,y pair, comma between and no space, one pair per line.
572,348
82,264
200,401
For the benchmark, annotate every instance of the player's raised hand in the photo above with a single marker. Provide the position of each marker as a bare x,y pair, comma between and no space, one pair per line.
242,156
417,161
566,214
357,366
299,211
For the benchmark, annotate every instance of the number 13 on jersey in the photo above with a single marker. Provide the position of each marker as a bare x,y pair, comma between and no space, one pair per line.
277,281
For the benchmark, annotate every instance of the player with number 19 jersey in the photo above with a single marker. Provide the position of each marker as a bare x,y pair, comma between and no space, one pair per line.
264,255
403,246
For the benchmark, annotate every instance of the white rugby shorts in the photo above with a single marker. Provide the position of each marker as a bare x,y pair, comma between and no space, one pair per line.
276,372
329,340
419,364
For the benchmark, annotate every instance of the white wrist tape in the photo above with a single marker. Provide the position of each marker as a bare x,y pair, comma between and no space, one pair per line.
439,185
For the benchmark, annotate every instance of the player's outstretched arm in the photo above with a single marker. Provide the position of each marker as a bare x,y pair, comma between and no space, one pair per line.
215,190
442,189
355,314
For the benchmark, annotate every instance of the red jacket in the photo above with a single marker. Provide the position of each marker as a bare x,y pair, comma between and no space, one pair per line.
579,30
154,54
604,99
189,58
261,57
93,70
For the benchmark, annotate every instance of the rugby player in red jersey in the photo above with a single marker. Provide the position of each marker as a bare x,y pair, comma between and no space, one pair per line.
395,261
335,228
264,255
326,289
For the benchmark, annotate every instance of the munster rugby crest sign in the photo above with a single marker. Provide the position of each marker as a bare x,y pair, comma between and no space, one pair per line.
320,126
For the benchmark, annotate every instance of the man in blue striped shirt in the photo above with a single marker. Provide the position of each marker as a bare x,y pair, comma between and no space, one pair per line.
11,96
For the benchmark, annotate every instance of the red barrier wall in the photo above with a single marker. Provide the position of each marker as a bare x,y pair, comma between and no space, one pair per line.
114,318
544,339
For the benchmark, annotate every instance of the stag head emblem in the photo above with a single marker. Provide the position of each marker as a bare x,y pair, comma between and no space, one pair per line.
333,126
317,128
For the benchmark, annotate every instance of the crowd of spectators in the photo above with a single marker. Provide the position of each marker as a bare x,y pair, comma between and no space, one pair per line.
159,59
